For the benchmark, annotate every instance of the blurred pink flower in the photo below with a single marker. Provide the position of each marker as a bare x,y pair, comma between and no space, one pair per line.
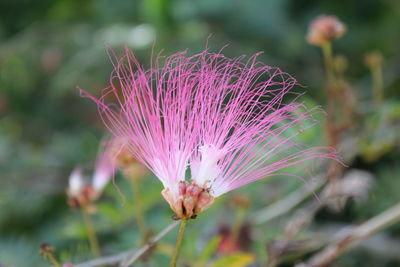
104,168
224,119
80,191
325,29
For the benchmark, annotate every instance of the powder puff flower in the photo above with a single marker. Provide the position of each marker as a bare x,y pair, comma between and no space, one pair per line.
222,120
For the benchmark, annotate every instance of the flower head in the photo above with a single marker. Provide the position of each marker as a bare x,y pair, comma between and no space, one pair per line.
222,119
82,192
325,29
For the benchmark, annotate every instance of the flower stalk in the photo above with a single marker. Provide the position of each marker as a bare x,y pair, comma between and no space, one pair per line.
178,245
241,204
91,234
377,80
374,60
47,251
328,59
330,92
322,32
239,218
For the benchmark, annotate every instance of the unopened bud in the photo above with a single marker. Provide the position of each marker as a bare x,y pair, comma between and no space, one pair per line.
325,29
46,249
373,59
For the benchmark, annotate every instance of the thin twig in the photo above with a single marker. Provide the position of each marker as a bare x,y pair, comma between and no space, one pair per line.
93,241
140,252
288,203
109,260
128,257
275,210
351,236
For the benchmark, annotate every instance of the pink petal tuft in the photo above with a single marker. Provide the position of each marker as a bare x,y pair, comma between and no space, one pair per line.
224,118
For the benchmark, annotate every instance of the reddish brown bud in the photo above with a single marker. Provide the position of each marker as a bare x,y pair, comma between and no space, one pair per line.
46,249
84,198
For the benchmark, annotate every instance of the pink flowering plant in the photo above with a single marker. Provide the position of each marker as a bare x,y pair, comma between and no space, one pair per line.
227,122
223,119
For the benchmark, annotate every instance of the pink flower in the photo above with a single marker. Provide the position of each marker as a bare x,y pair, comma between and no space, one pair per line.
104,168
223,119
325,29
83,193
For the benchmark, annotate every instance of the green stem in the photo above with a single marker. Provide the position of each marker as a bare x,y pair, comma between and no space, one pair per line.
178,243
328,59
53,260
330,94
377,81
240,213
138,206
93,242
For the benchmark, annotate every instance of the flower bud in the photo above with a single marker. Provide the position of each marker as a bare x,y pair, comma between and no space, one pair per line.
373,59
46,249
325,29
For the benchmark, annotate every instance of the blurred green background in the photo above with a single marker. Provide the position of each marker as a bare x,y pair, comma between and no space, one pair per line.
49,48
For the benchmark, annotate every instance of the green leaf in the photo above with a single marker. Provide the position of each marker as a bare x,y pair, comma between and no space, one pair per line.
209,250
236,260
